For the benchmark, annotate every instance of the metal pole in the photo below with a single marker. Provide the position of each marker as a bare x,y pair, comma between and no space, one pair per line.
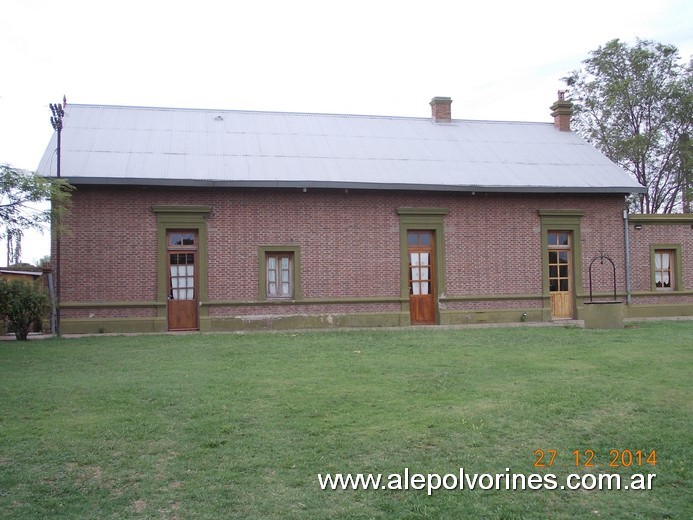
627,246
57,122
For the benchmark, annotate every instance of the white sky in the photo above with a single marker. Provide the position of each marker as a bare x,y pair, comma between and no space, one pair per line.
497,59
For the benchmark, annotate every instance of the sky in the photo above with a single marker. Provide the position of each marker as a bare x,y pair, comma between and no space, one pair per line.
496,59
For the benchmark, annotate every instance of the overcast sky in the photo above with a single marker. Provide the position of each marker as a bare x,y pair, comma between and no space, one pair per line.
497,60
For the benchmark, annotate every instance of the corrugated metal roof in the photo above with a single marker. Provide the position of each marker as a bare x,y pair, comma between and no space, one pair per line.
139,145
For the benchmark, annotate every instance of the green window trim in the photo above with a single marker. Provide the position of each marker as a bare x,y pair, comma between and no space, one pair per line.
677,271
561,213
262,271
561,220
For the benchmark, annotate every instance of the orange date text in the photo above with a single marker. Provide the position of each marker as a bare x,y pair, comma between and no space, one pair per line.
548,458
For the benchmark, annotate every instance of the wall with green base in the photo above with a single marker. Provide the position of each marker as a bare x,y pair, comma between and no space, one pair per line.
337,320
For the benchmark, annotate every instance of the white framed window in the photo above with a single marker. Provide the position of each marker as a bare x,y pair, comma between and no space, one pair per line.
664,269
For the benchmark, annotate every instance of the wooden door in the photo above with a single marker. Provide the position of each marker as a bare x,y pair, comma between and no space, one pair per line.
422,306
182,281
560,274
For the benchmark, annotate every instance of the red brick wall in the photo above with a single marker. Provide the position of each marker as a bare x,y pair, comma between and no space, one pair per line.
494,242
108,251
350,244
338,234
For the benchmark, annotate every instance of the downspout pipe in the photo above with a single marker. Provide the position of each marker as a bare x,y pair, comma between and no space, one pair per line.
627,246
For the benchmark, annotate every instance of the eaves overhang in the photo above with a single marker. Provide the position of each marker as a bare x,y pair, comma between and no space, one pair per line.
312,184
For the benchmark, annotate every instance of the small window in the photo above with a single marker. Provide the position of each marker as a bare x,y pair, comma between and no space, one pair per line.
280,276
558,238
181,239
182,279
664,269
559,261
419,238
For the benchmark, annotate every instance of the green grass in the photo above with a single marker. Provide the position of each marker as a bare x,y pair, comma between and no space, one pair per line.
239,426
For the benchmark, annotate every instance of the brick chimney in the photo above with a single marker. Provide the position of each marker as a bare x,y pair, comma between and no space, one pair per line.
440,109
561,111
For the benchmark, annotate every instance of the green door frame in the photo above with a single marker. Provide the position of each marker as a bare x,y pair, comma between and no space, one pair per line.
561,220
424,219
173,218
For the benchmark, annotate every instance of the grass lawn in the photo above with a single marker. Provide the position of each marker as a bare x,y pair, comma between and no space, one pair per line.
240,426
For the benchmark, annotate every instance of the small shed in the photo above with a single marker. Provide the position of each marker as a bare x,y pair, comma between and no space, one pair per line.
29,273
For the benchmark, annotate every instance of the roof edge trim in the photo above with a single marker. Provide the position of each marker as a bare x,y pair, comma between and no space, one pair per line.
118,181
669,218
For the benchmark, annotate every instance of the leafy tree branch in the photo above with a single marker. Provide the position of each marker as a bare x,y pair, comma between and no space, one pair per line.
635,104
23,200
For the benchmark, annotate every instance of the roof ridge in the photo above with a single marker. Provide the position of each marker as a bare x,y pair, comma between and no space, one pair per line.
302,114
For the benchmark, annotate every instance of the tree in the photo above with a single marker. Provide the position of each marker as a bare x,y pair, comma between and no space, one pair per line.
14,246
44,261
24,198
23,303
635,104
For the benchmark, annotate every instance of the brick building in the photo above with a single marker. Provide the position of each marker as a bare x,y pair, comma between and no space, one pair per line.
228,220
661,252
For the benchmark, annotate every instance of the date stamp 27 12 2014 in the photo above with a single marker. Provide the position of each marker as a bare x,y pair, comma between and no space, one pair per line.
548,458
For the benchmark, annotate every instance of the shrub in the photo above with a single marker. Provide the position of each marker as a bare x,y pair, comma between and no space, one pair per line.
23,303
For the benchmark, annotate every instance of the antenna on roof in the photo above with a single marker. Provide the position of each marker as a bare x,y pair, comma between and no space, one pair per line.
64,101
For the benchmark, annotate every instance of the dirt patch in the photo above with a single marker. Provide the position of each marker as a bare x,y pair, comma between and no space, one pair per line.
170,513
